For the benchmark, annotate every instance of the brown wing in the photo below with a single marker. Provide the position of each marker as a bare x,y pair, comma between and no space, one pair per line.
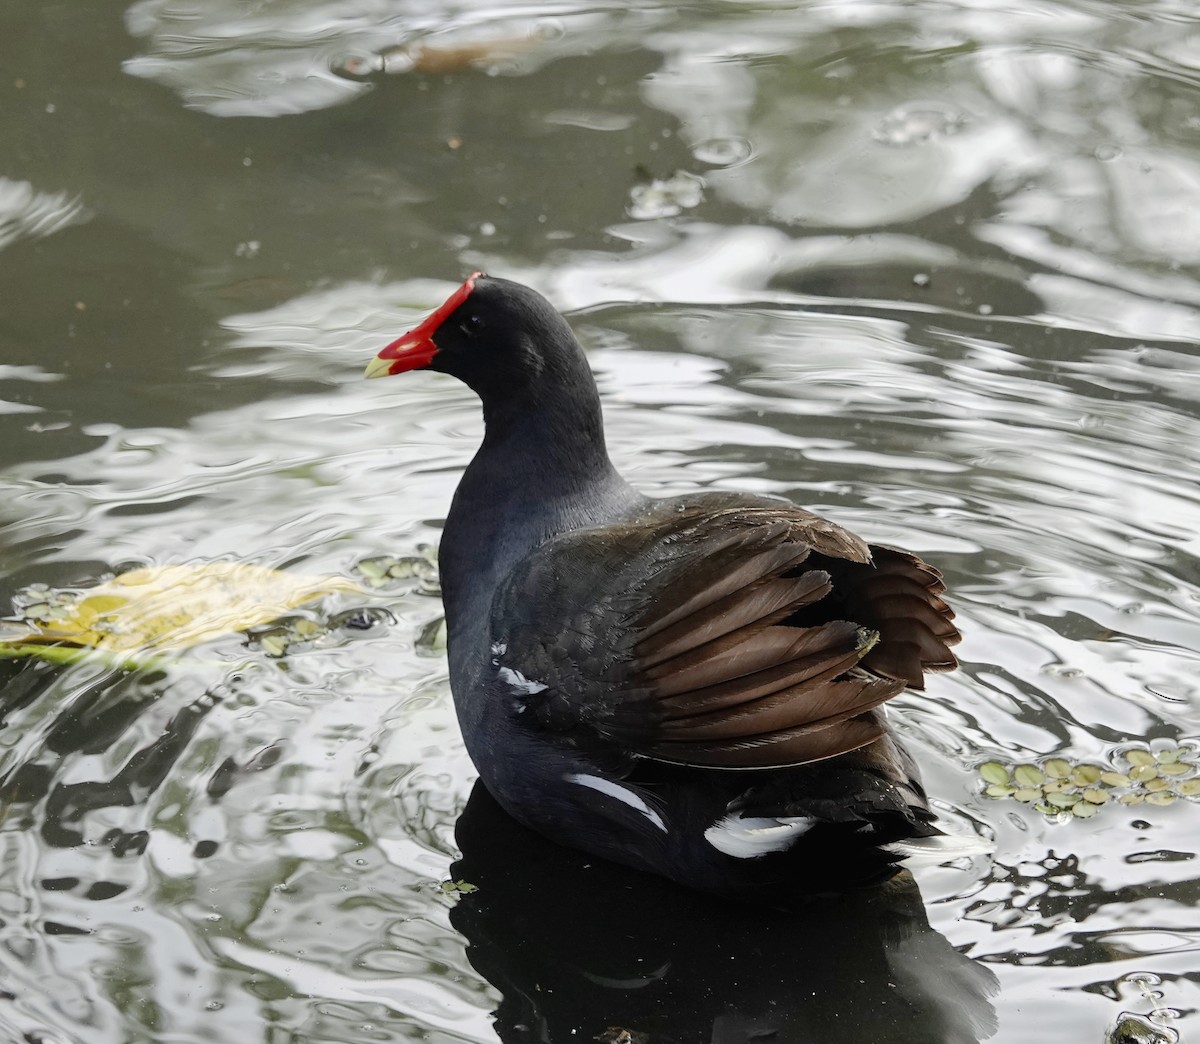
717,632
901,597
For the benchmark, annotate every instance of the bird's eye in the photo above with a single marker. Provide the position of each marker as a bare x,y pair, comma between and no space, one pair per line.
472,325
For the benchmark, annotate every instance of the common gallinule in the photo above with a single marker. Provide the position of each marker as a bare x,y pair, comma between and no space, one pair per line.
691,686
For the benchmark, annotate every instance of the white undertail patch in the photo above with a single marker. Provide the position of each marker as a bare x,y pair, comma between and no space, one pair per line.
620,793
941,848
748,837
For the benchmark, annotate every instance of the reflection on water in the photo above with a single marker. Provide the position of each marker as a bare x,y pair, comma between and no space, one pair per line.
929,269
581,949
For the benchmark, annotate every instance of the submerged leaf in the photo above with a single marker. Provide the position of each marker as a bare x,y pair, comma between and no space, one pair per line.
170,607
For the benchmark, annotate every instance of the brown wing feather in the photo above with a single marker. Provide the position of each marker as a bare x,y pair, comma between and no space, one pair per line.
901,599
729,569
790,747
761,602
825,702
730,632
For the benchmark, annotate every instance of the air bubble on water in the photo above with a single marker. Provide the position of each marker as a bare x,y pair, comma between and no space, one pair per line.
909,125
723,152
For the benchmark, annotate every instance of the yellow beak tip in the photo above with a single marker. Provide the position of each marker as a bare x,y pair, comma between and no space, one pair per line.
378,367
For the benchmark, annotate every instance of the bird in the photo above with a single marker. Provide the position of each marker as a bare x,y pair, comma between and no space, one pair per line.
692,686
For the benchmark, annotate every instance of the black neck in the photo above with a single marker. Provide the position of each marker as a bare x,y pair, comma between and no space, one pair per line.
543,469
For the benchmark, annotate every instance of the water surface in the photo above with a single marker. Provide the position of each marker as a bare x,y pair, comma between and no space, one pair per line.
932,269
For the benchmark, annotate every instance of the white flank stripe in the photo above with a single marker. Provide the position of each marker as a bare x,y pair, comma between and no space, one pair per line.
753,836
519,682
622,794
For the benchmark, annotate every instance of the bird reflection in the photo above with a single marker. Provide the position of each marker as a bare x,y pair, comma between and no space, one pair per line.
582,950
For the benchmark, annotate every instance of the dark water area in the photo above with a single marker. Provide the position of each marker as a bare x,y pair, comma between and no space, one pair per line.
932,269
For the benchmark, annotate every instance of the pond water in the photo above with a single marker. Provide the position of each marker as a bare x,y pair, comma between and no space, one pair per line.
931,268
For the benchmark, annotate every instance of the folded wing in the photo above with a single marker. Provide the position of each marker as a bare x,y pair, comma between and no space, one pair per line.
732,632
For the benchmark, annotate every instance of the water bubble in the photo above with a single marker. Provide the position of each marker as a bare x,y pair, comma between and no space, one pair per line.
723,152
1107,152
918,124
921,279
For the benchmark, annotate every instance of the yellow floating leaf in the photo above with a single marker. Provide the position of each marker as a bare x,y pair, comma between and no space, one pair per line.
176,607
1174,768
995,773
1139,757
1029,775
1086,775
1057,768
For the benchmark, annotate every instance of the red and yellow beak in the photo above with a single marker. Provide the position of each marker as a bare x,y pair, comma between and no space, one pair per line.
416,349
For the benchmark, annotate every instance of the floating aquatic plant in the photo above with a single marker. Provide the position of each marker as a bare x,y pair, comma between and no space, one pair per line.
390,570
1135,774
141,614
